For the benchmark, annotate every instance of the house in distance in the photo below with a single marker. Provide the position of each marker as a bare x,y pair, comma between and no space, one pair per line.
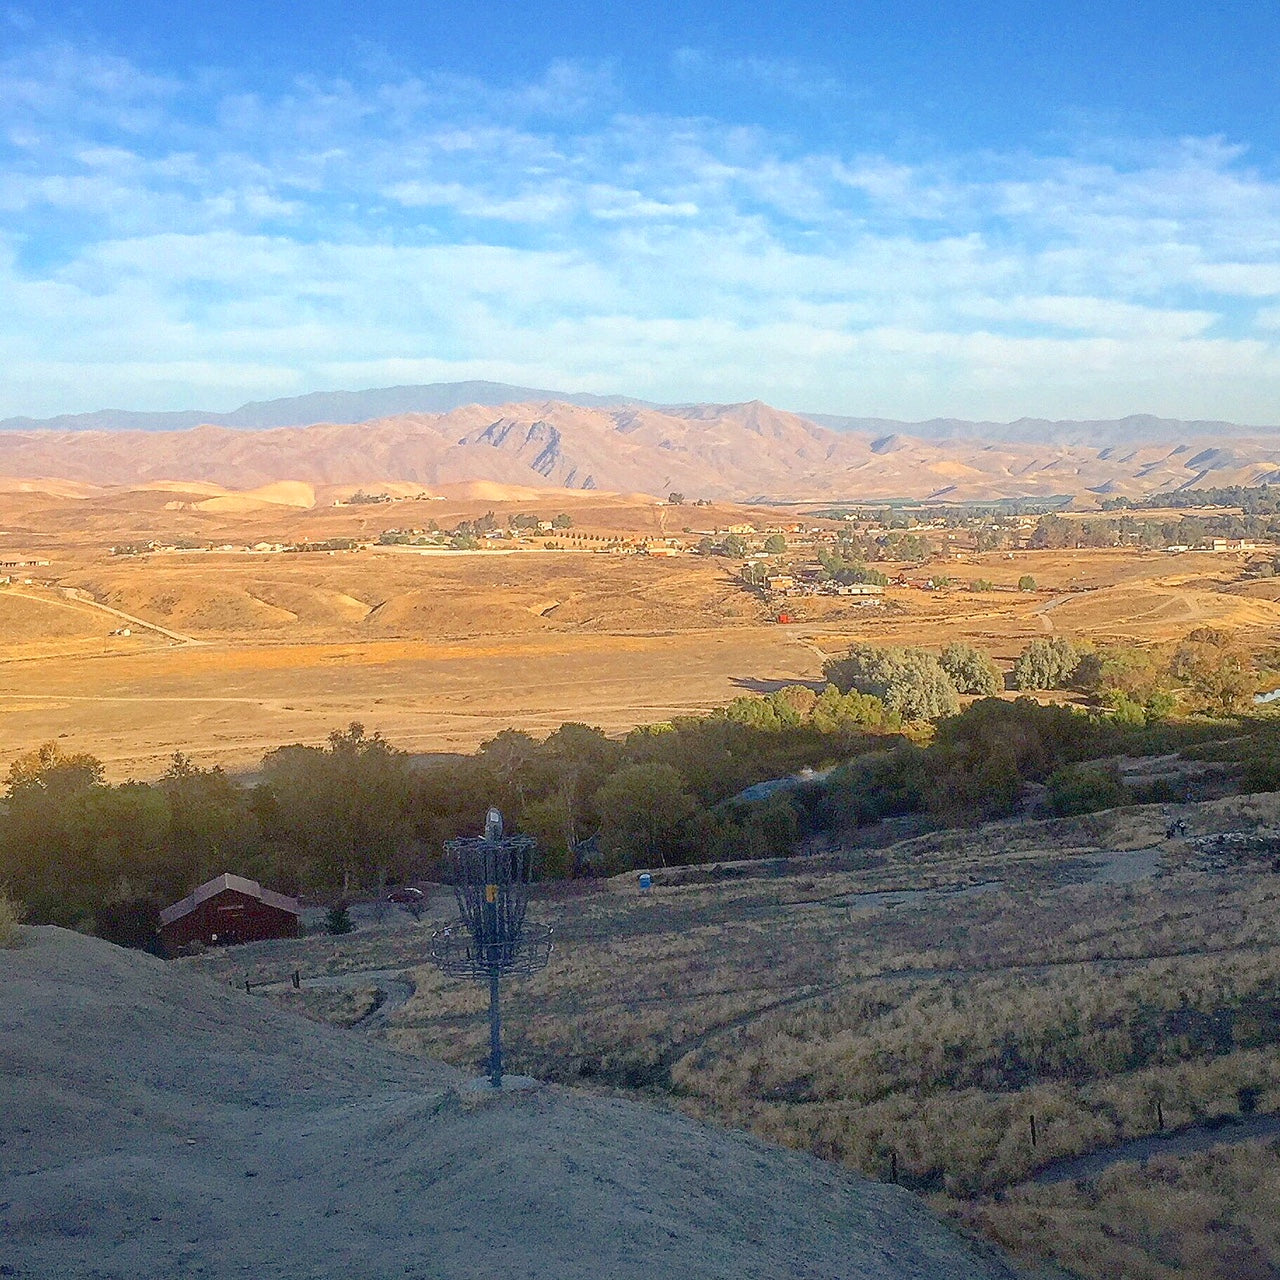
226,910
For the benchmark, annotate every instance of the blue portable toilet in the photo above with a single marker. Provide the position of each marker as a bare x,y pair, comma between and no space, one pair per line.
646,882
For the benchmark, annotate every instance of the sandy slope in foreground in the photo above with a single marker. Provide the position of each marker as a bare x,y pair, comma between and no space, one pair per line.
155,1125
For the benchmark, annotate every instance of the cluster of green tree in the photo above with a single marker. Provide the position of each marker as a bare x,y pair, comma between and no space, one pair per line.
482,524
733,545
324,544
1054,533
522,521
896,545
912,683
409,537
1253,500
362,499
977,767
1207,671
909,512
845,565
79,852
145,548
357,813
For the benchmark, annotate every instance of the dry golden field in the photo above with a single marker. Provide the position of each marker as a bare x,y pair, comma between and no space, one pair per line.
230,654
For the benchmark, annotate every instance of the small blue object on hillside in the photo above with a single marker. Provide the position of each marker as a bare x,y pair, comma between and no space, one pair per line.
646,882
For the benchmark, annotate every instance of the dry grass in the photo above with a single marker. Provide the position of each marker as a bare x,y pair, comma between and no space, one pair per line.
442,652
921,1029
1210,1216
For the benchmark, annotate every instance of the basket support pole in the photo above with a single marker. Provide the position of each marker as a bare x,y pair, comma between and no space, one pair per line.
495,1031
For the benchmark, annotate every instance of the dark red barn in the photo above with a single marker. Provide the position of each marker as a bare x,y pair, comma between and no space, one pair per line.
227,910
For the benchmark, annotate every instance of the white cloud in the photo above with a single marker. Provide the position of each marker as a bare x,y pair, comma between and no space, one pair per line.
784,76
536,233
1100,316
529,206
1247,279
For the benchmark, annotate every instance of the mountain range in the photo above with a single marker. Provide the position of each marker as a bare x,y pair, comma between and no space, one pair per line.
518,436
320,406
347,407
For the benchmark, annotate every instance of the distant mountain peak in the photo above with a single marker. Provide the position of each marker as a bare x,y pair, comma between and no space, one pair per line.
443,433
338,407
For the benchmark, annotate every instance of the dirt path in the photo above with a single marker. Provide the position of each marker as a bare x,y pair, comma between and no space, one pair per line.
394,994
74,598
394,987
1041,611
1227,1131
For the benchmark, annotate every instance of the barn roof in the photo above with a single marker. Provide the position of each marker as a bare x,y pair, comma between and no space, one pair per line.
220,884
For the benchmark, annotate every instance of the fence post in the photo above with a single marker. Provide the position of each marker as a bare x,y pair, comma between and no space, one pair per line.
1033,1128
297,979
893,1166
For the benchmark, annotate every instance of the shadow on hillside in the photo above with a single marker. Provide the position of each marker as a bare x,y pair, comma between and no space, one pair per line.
754,684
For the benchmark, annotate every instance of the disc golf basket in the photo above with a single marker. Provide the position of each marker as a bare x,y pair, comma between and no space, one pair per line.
492,939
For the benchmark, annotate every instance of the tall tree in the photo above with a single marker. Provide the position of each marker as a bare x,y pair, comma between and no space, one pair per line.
345,805
643,811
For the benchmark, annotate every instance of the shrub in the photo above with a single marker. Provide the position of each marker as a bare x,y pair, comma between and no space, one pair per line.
1160,791
971,670
910,682
1085,789
645,810
1261,774
11,914
339,919
1220,676
880,784
1126,710
1046,664
1026,583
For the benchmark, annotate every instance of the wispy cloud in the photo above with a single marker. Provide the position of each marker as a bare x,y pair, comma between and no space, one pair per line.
168,241
754,73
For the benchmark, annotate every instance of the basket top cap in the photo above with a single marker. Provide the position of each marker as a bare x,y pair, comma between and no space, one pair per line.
493,858
493,824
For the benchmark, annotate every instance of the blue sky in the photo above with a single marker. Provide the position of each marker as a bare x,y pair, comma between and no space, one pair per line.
892,209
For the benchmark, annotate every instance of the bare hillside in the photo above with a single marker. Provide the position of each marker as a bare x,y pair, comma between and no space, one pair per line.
156,1125
737,451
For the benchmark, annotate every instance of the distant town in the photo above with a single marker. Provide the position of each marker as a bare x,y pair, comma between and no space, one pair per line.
854,554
